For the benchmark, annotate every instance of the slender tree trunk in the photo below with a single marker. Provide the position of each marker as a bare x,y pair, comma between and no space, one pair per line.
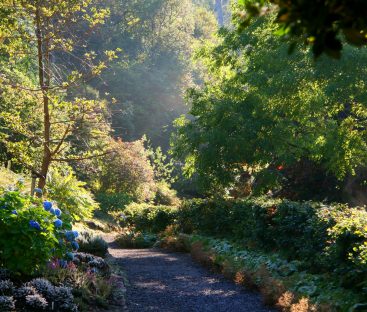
44,81
219,10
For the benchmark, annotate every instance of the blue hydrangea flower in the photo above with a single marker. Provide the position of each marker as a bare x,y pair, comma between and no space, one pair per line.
47,205
35,225
70,256
14,212
69,236
58,223
4,206
38,191
52,210
63,263
75,245
57,212
76,234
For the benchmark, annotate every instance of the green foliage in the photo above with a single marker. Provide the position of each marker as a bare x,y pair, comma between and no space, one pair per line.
113,201
40,84
273,275
149,218
350,235
94,245
165,195
71,195
163,167
9,178
146,85
253,115
127,169
136,240
26,249
321,23
324,238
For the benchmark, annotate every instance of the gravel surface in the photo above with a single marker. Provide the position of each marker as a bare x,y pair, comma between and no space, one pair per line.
164,281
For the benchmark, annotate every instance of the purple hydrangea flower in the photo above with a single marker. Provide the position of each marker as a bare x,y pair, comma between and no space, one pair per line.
58,223
47,205
35,225
14,212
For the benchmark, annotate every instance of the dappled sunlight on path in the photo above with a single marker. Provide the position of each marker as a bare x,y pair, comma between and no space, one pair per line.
164,281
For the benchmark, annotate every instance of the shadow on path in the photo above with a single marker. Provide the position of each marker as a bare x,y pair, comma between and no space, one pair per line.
164,281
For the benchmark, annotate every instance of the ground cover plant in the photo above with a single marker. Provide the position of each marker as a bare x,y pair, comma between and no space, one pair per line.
92,244
326,241
284,284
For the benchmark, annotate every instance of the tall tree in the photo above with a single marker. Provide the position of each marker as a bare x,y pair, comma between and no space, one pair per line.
260,116
45,32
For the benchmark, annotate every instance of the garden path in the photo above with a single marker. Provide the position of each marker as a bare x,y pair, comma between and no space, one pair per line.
163,281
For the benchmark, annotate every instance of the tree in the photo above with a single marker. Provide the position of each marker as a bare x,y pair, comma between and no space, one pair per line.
127,170
45,32
322,24
259,116
146,85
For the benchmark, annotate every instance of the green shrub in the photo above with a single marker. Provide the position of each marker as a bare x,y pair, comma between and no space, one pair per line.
165,195
325,238
70,194
127,169
94,245
149,218
136,240
28,236
113,201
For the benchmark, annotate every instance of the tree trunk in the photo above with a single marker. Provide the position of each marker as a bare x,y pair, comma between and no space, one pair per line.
44,81
219,10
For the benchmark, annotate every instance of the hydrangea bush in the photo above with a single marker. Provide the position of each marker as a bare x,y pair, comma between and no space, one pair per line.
32,233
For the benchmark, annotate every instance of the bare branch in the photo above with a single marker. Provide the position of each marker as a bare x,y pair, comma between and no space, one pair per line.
62,140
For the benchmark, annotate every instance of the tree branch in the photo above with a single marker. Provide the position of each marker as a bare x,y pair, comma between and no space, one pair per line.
62,140
81,158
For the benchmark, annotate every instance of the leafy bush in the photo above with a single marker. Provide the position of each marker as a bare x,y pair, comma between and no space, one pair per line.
165,195
282,283
90,279
324,238
94,245
149,218
136,240
126,169
71,194
29,234
113,201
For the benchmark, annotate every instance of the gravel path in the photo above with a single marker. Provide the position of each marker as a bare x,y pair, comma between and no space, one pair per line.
168,282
